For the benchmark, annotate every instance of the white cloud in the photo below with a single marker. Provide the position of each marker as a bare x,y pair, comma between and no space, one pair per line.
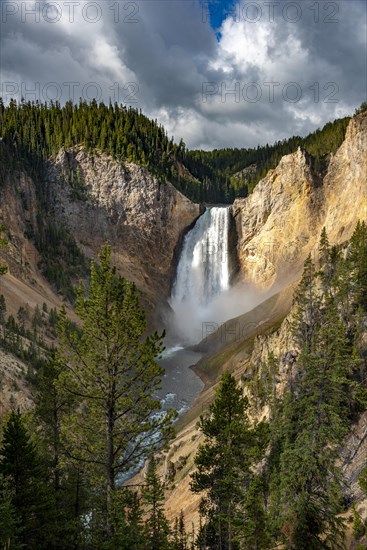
170,52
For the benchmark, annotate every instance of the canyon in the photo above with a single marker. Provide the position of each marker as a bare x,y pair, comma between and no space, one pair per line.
270,235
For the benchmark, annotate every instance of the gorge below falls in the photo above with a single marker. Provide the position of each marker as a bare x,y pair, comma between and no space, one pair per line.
200,301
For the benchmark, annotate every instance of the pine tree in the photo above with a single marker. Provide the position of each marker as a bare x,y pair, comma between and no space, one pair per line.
2,310
22,316
135,523
9,528
128,521
363,480
324,248
180,538
326,266
255,533
156,525
109,368
37,320
69,494
314,422
357,260
223,465
307,308
21,467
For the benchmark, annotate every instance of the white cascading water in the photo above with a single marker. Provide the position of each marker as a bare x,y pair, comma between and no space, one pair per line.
202,271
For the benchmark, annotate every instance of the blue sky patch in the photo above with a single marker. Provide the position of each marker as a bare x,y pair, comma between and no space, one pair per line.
218,10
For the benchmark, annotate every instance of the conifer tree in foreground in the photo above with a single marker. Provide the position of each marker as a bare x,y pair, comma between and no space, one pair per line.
306,496
66,477
223,470
21,469
180,538
156,526
9,528
110,371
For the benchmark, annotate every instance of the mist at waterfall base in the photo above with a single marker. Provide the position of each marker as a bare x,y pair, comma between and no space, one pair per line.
201,300
201,295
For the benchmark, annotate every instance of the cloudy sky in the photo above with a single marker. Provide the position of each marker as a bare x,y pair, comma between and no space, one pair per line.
217,74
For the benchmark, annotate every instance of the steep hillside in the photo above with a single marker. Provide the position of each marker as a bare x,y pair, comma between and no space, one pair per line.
142,218
94,199
280,223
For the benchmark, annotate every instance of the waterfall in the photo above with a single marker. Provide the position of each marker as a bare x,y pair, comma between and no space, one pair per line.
203,268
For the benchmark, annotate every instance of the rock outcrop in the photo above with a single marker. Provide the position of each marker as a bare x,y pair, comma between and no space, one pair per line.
14,388
280,223
143,219
98,200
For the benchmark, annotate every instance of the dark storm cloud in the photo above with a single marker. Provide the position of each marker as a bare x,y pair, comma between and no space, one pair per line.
168,53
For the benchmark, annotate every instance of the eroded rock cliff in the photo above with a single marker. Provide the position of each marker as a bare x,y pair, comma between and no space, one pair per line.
99,200
143,219
280,223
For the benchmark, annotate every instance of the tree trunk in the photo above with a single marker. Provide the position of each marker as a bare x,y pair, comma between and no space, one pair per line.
110,472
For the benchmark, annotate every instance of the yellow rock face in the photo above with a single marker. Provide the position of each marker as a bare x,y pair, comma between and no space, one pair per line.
280,223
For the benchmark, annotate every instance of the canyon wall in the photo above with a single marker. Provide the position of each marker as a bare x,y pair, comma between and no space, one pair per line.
142,219
280,223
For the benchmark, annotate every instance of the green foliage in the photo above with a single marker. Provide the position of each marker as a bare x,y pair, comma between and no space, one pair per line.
67,480
110,370
2,309
19,339
180,537
357,263
156,526
363,480
361,109
21,467
326,391
71,468
131,536
219,166
126,134
359,528
318,407
61,259
9,528
40,131
223,467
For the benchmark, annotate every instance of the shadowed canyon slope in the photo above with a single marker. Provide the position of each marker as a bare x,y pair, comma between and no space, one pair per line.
143,220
